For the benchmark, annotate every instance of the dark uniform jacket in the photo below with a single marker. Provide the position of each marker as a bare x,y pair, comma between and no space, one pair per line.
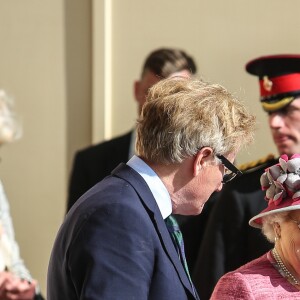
229,241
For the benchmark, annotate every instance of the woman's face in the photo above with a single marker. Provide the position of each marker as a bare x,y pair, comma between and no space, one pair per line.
290,240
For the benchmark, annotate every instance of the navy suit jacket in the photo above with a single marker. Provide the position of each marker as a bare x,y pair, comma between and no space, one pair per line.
114,244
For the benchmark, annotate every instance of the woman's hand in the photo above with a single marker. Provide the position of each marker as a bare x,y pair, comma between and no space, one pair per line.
14,288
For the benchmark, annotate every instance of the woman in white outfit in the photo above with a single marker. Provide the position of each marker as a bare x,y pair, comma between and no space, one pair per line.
15,279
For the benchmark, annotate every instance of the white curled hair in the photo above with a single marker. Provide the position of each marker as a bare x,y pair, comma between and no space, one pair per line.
268,222
10,129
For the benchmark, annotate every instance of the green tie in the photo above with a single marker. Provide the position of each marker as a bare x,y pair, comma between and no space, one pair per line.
177,239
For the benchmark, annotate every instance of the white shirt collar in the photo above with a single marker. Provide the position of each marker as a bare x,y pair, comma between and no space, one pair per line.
158,189
132,143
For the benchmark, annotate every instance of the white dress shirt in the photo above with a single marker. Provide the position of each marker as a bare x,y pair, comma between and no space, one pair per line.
158,189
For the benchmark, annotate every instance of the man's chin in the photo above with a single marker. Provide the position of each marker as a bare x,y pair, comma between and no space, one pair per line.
191,212
288,150
199,210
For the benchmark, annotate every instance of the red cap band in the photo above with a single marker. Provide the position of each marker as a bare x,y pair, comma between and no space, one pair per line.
279,85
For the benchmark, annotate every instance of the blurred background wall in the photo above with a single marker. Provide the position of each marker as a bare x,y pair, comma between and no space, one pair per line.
70,66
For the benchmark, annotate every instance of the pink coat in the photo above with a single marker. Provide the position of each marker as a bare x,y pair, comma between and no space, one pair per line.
257,280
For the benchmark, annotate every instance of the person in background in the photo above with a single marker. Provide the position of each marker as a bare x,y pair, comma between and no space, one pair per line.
119,240
276,274
92,164
229,241
15,279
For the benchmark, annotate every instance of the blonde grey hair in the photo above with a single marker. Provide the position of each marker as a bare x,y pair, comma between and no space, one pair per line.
9,127
268,222
182,115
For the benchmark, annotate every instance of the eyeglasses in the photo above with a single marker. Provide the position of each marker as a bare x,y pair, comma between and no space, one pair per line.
297,222
231,171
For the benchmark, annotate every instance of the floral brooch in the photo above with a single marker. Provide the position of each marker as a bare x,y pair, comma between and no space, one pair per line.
282,180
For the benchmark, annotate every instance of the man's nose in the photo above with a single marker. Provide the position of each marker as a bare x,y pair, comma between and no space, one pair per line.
276,120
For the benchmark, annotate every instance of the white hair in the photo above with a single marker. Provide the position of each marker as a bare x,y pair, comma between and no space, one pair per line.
267,224
10,129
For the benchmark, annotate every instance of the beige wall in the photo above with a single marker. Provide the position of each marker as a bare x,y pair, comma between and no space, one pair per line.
221,35
33,169
45,65
69,63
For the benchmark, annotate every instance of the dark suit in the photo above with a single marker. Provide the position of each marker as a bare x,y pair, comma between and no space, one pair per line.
114,244
94,163
229,241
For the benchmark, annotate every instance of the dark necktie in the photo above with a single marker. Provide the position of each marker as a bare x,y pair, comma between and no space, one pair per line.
177,239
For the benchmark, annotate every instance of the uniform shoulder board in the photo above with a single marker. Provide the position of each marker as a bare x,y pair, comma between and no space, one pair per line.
257,164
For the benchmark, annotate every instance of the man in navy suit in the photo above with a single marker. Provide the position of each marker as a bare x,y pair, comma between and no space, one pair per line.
114,243
92,164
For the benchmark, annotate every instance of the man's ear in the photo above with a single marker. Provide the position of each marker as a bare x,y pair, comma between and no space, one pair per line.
202,158
137,87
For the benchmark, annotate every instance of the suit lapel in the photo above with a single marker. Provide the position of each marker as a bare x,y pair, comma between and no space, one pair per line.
137,182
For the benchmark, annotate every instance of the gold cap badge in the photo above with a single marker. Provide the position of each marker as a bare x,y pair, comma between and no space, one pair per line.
267,83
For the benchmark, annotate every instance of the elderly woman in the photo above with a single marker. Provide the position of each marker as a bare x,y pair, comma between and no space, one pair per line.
276,274
15,280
